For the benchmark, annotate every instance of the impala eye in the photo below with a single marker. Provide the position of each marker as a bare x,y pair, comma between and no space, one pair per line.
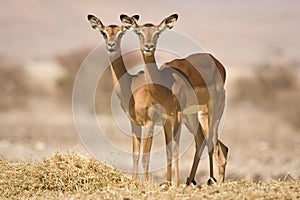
139,33
104,34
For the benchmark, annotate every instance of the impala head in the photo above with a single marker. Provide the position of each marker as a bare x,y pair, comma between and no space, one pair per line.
112,34
148,33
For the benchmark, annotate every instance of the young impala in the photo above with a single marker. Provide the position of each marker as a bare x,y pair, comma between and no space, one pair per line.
138,104
209,90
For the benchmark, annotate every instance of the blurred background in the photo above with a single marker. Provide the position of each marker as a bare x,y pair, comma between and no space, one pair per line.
43,43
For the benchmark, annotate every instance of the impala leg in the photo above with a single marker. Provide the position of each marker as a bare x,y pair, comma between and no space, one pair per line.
199,144
205,119
220,153
216,111
176,132
211,180
219,105
168,137
147,144
220,150
136,143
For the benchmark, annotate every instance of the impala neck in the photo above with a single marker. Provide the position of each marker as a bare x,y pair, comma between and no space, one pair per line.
152,73
118,67
121,79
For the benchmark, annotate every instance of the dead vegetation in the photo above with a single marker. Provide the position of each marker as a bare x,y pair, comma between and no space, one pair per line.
73,176
59,176
274,89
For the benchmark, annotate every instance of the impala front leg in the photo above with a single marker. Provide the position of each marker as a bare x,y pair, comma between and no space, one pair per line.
176,133
168,138
147,144
136,143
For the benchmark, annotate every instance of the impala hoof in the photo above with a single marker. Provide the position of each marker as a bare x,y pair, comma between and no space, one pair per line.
165,184
194,182
188,181
211,181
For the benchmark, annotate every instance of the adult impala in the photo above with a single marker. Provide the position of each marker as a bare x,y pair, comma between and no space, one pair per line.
137,103
209,90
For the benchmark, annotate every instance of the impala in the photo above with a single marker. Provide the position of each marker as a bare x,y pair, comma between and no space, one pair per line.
139,105
209,90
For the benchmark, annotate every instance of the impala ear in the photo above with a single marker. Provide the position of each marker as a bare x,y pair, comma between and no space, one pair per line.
95,22
136,17
168,22
129,22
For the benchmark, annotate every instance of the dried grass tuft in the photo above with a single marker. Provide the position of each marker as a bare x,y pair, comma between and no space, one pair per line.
72,176
60,175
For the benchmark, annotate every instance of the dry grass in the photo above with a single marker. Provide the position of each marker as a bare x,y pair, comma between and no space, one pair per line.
274,89
59,176
72,176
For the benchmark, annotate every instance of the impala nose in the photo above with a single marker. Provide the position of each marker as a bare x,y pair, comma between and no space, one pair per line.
111,46
149,47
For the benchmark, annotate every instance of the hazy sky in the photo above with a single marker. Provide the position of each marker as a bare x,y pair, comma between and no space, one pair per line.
238,32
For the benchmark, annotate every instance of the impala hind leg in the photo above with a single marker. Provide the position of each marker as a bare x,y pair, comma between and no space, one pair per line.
220,153
216,112
212,179
199,144
136,143
205,118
